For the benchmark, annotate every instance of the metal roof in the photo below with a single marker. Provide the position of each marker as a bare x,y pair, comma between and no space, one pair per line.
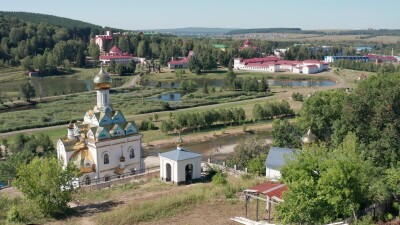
179,155
276,157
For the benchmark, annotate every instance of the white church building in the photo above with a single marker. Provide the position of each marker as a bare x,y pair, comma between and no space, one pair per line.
104,143
180,166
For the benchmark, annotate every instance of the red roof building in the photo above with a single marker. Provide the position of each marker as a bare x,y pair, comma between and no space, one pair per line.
117,55
180,62
249,44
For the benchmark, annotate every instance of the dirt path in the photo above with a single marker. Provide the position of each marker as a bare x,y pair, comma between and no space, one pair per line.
133,82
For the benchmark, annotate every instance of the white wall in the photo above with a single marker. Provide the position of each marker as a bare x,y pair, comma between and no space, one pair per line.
178,169
273,174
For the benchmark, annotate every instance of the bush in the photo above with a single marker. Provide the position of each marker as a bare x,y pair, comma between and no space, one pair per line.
297,97
229,192
219,178
13,214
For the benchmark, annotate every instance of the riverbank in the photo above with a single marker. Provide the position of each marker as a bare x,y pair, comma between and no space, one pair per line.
209,136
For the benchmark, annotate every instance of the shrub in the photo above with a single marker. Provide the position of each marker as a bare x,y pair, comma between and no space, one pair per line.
297,97
13,214
219,178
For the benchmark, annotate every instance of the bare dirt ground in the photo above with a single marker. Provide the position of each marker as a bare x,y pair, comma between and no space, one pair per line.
208,212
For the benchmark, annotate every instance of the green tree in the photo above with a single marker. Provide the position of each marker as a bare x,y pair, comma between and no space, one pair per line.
326,185
230,80
42,180
27,63
285,134
371,112
263,86
258,113
257,165
205,88
245,151
142,49
112,66
94,51
28,91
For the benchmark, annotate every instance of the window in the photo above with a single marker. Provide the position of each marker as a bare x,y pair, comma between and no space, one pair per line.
131,153
106,159
87,165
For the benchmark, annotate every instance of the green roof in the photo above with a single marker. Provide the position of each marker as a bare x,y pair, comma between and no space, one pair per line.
219,46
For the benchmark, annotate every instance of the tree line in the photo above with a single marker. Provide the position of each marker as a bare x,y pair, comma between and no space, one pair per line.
271,110
366,66
199,120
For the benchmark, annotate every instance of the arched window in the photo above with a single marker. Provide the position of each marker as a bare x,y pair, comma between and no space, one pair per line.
131,153
106,159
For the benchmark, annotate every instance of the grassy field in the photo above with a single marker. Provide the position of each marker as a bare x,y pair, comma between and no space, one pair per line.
130,102
157,202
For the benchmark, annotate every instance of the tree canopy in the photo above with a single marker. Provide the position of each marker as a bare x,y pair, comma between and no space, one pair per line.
42,180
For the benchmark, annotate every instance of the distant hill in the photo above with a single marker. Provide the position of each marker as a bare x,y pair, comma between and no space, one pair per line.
370,32
51,20
273,30
197,30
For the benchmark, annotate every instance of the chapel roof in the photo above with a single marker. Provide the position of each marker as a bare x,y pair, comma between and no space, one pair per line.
179,155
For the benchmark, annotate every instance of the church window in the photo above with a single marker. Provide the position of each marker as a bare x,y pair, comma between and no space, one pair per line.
87,165
106,159
131,153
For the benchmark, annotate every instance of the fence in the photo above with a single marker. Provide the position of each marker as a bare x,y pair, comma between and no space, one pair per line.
100,183
222,166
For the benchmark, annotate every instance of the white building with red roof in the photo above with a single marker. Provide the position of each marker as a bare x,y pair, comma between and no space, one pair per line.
180,62
274,64
119,56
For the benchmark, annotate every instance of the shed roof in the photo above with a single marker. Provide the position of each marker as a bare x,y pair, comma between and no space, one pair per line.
271,189
276,157
179,155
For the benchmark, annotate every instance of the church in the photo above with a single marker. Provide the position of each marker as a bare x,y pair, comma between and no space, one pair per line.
104,144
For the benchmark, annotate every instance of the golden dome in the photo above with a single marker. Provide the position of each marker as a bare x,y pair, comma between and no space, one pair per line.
102,80
179,141
309,138
122,158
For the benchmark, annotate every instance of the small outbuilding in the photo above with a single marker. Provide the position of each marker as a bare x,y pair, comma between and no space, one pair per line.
180,166
275,160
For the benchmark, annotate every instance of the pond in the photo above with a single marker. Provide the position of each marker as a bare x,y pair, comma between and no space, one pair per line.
51,86
174,96
301,83
216,147
271,82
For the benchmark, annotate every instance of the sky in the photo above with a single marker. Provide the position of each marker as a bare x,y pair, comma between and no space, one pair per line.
160,14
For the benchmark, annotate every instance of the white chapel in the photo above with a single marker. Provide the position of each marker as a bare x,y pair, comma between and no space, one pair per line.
104,143
180,166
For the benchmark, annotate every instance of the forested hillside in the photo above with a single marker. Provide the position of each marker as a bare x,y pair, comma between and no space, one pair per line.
43,46
51,20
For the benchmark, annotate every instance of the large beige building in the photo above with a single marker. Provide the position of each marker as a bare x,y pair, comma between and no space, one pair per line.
104,144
